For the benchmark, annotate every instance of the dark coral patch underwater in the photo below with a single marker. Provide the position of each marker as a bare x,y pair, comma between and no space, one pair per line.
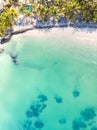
37,106
78,124
27,125
58,99
42,98
39,124
62,121
76,93
29,114
94,128
88,114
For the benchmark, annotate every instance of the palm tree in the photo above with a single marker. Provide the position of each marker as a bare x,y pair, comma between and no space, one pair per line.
7,19
71,9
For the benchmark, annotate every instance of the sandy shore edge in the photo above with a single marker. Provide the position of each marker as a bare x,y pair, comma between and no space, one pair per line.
66,32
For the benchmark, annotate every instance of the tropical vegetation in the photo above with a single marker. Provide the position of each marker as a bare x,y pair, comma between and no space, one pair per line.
70,9
82,10
7,18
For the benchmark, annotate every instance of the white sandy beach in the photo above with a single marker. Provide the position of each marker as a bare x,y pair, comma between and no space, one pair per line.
81,34
66,32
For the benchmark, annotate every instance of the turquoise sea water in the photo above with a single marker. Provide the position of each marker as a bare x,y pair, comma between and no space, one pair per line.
53,86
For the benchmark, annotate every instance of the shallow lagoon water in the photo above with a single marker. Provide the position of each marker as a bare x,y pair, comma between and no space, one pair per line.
53,86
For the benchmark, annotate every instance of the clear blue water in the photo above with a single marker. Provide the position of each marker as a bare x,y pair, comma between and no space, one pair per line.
53,86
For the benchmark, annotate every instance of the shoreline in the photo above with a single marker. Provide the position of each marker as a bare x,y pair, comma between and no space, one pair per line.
24,29
80,34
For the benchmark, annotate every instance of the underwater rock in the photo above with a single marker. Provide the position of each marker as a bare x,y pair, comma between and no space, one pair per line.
35,109
62,121
94,128
27,125
76,93
29,114
15,61
88,114
82,124
39,124
77,124
14,58
42,98
43,106
58,99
